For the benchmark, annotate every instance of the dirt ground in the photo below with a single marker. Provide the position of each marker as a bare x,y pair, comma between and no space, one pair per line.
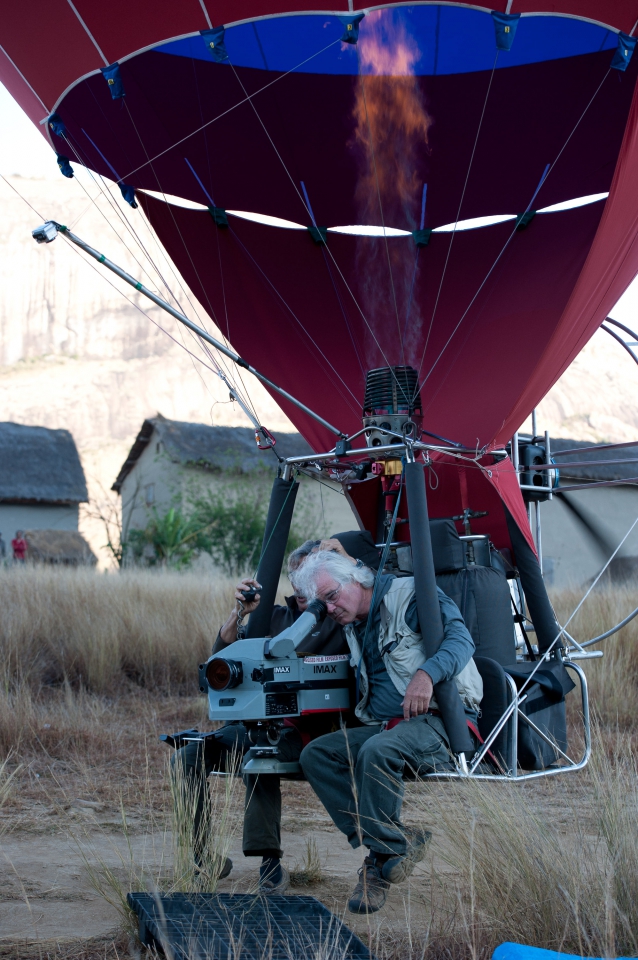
63,829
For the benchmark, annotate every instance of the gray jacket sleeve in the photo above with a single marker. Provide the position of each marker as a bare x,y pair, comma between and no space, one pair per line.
457,647
219,643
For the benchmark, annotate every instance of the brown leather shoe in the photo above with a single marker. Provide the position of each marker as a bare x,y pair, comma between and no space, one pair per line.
370,893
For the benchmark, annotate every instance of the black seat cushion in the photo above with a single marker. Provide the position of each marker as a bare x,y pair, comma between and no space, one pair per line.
482,594
496,699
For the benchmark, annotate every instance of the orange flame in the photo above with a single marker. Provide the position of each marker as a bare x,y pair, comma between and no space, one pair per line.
391,128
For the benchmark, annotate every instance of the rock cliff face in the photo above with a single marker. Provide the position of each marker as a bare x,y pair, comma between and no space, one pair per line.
77,353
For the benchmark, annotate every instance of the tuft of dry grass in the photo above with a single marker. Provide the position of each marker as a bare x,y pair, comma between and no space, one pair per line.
613,680
518,874
310,871
103,631
94,666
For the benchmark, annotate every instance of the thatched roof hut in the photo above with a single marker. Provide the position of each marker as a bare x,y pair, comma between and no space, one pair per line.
38,465
60,547
211,448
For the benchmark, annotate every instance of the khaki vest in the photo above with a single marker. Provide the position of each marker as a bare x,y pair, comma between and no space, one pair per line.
408,655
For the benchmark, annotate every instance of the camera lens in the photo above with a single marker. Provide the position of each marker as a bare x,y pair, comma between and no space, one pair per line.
224,674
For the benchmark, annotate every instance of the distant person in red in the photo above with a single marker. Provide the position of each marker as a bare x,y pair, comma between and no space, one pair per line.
19,547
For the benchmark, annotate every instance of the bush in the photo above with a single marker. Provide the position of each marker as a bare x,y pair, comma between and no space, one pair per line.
226,523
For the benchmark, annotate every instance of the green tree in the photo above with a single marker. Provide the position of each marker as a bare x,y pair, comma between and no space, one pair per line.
232,526
175,539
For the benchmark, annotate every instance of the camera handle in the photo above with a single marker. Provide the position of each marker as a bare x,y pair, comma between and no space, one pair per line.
241,629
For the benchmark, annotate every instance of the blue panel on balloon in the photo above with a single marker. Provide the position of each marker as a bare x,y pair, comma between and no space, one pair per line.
423,40
519,951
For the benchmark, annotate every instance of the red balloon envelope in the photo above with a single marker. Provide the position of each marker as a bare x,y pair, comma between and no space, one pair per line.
438,115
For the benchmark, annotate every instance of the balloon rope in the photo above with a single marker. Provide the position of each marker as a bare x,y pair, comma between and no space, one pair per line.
458,215
104,190
292,313
344,314
240,103
309,213
212,311
547,173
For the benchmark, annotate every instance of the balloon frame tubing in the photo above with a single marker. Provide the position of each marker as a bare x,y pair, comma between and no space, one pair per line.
195,328
395,449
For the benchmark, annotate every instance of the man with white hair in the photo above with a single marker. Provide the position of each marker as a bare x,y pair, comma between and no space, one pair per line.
357,772
223,752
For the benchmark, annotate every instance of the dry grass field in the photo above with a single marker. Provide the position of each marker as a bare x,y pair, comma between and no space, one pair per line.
94,667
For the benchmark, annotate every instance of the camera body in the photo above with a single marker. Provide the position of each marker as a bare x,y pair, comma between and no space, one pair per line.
247,684
262,682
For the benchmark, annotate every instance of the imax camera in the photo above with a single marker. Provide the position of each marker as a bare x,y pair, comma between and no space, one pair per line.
262,682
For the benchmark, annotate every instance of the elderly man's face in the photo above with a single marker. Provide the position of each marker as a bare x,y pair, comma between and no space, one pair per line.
345,603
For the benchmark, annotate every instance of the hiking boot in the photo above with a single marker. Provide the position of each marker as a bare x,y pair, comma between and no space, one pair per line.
226,866
398,869
273,877
370,893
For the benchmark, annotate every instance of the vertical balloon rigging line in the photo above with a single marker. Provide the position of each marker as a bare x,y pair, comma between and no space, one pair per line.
343,313
458,215
546,174
217,235
334,286
206,193
293,315
416,262
326,247
226,337
176,225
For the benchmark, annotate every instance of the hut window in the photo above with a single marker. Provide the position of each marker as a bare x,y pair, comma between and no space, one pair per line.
149,490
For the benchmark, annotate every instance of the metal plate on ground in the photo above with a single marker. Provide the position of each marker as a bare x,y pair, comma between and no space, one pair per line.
194,926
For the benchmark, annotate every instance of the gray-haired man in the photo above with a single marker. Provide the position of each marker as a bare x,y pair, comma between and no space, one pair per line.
262,816
358,773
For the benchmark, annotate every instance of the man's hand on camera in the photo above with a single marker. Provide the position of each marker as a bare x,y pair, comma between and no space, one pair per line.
418,695
228,632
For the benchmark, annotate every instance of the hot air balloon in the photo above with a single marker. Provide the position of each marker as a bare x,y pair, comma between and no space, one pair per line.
410,218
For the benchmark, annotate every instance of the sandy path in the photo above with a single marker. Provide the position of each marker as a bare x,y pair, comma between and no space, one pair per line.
46,891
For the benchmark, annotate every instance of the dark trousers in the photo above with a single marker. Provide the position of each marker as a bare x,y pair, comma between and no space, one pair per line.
358,776
262,806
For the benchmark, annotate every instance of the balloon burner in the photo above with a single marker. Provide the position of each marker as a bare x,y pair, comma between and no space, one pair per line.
392,406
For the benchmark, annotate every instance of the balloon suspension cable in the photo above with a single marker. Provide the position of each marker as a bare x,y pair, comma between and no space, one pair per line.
105,192
620,339
48,232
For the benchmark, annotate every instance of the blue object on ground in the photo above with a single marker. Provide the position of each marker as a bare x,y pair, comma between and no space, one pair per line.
519,951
